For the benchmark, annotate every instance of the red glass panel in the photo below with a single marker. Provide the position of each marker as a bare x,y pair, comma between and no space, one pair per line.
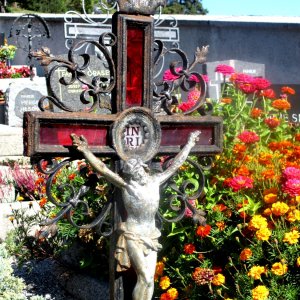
135,66
59,134
175,136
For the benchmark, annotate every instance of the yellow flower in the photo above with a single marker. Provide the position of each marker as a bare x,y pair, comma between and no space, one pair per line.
263,234
298,262
257,222
291,237
256,271
260,293
172,293
11,218
164,282
218,279
293,216
245,254
160,266
20,198
279,208
279,269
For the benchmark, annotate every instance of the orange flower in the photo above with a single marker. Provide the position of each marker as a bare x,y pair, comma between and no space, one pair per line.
221,225
239,148
297,137
281,104
72,176
263,234
270,198
203,231
268,174
288,90
256,271
172,293
257,222
218,279
256,113
219,207
160,266
293,215
265,159
42,202
243,171
226,100
189,248
245,254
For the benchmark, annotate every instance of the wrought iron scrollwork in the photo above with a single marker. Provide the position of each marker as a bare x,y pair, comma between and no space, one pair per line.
184,78
75,202
178,196
94,87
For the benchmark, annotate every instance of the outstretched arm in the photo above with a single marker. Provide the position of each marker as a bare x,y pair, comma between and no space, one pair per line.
80,143
180,158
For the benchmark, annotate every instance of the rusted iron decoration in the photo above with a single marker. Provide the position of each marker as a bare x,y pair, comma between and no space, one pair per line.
141,125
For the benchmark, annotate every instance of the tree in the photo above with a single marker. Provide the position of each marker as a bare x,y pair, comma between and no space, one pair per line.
190,7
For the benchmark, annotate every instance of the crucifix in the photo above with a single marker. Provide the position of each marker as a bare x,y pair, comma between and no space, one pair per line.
141,126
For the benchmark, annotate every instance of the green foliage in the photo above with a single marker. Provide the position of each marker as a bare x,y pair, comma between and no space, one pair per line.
190,7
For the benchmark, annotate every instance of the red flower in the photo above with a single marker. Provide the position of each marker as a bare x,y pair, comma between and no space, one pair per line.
261,83
268,93
272,122
184,106
256,113
288,90
203,231
72,176
239,182
169,76
248,137
189,248
224,69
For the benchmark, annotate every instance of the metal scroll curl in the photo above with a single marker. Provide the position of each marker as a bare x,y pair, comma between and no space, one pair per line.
75,69
181,77
176,200
73,201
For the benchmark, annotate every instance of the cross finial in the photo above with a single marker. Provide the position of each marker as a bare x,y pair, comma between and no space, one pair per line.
144,7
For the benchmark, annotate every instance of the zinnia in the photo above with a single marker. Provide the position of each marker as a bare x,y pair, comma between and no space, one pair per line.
288,90
279,269
185,106
291,237
292,187
281,104
268,93
169,76
224,69
256,113
248,137
272,122
279,208
260,293
291,173
261,83
239,182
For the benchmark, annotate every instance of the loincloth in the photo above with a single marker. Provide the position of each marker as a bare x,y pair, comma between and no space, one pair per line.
146,243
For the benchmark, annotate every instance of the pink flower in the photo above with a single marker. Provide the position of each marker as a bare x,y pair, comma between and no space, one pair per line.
224,69
242,78
291,173
194,95
205,78
261,83
248,137
184,106
169,76
188,213
292,187
239,182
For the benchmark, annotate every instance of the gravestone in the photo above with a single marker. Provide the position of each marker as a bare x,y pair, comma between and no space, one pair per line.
69,94
23,95
216,80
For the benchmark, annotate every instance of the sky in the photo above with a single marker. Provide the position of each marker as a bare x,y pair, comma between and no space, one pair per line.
252,7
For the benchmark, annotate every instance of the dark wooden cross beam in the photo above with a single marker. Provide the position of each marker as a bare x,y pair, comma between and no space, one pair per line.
132,128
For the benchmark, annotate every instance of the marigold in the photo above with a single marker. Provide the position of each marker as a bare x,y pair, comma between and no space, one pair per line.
279,208
268,174
293,215
203,231
256,113
160,266
263,234
248,137
245,254
291,237
281,104
256,271
279,269
202,276
257,222
260,293
298,262
164,296
189,248
226,100
288,90
172,293
218,279
270,198
164,282
221,225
